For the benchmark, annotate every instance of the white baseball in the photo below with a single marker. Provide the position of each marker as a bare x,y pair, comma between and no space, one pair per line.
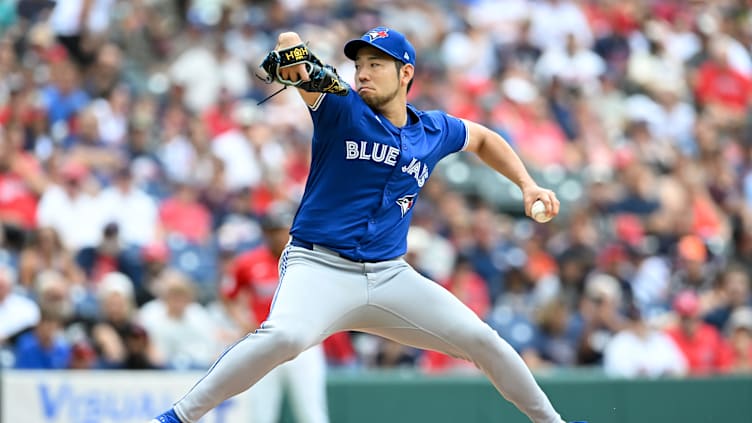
538,211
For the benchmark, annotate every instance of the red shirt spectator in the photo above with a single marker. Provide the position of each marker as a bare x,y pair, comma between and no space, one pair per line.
721,84
218,118
21,181
184,215
256,273
702,345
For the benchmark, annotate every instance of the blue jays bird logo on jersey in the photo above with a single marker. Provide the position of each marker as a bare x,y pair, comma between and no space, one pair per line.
378,33
406,203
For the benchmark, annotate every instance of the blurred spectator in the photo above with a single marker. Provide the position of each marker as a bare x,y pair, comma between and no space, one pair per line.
651,67
71,209
468,286
552,20
692,270
17,312
704,349
104,75
575,65
55,295
110,255
243,165
181,329
197,69
45,347
489,252
120,341
44,250
183,215
111,113
63,97
133,211
739,329
720,88
155,258
430,253
22,180
641,351
602,317
732,293
80,25
557,338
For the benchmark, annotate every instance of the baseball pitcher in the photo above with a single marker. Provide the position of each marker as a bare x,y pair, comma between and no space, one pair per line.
342,270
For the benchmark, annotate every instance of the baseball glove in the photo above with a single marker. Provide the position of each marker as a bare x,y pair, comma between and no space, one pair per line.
323,78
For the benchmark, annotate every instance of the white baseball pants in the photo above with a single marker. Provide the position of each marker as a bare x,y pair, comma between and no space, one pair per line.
321,293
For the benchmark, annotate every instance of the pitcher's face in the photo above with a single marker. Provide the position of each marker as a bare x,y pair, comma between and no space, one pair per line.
377,79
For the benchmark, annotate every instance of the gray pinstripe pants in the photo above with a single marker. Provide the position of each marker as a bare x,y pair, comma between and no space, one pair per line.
321,293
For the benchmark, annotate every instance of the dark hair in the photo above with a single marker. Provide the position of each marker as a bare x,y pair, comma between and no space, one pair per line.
399,66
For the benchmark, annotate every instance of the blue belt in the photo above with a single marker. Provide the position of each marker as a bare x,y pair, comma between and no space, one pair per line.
297,242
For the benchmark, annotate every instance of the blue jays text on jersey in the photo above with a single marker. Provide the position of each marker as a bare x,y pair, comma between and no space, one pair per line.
366,174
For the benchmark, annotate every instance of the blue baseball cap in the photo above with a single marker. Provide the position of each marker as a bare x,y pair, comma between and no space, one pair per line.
385,39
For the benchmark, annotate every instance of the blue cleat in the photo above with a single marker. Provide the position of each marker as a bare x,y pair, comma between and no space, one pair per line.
168,416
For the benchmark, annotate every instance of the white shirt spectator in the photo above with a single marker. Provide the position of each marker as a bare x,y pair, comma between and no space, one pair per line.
242,164
134,211
499,17
112,117
581,68
183,341
177,155
553,20
197,70
655,355
65,17
233,75
17,312
247,44
650,284
471,53
78,219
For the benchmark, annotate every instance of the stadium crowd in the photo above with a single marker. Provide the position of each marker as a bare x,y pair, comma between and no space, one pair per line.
135,164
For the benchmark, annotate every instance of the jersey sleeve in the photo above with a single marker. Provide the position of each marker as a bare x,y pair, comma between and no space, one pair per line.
330,109
455,134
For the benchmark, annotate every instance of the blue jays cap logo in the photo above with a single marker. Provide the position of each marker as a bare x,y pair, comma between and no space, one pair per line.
388,40
406,203
377,33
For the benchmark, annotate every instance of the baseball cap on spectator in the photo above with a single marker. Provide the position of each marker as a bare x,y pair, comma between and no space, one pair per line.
601,286
155,252
741,318
687,304
385,39
692,248
115,282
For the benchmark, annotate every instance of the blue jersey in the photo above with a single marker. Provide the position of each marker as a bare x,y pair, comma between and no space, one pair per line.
366,174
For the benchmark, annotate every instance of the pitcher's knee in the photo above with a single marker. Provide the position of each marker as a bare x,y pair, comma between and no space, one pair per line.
289,342
483,338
